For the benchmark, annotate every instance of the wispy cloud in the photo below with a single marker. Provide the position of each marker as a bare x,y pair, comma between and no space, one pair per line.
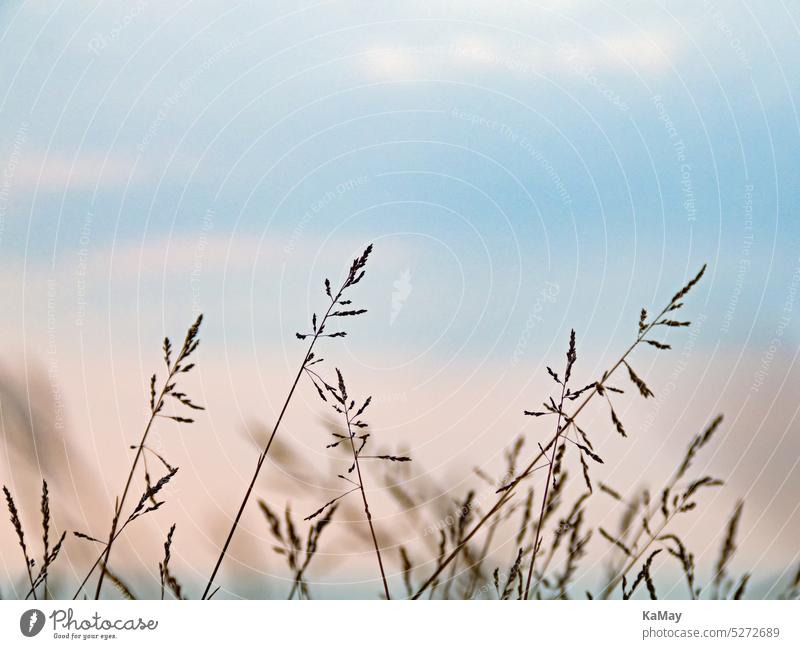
500,53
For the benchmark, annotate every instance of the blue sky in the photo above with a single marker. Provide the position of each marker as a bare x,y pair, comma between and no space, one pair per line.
521,143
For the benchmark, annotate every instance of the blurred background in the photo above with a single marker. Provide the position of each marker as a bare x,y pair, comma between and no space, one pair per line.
522,168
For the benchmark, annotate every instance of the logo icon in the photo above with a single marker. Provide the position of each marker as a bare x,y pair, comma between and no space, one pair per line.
31,622
402,289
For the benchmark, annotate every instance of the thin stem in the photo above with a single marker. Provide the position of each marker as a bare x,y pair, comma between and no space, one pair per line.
634,559
99,559
293,563
504,498
543,570
298,572
551,554
449,581
364,498
45,535
546,490
351,482
32,591
265,452
297,579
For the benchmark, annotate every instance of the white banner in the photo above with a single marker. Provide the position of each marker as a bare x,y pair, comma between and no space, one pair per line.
334,624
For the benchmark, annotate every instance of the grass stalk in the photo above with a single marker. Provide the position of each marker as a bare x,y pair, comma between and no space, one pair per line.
535,551
508,491
652,509
354,276
15,521
367,513
156,405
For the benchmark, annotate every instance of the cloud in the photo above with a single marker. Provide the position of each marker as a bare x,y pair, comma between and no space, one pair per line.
648,51
499,52
391,63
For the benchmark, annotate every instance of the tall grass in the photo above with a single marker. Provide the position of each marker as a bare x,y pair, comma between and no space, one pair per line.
600,388
346,407
318,331
157,403
551,465
290,545
462,550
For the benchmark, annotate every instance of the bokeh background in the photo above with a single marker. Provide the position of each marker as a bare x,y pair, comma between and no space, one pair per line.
522,168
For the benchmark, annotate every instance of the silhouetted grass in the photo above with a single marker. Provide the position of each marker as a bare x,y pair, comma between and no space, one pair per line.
355,427
158,400
548,531
318,331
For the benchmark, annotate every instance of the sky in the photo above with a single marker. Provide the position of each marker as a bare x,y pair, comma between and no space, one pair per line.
522,169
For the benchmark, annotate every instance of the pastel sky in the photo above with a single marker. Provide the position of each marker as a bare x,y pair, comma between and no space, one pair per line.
522,168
